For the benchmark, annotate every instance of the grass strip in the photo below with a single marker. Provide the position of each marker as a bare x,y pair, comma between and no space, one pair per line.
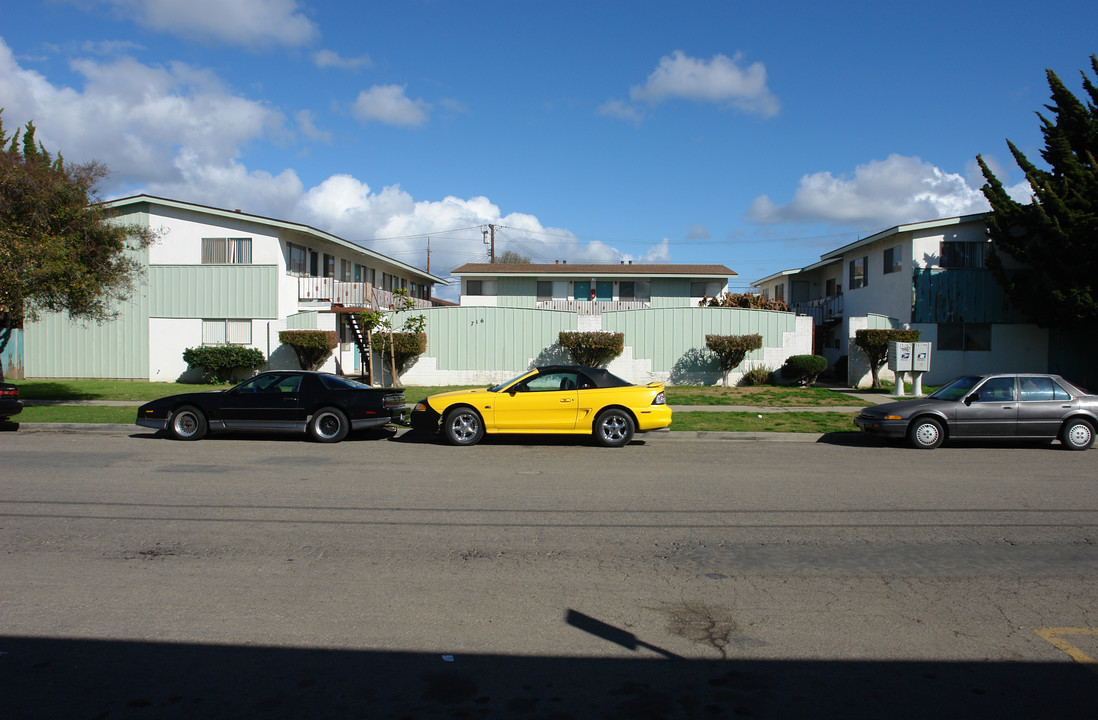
793,422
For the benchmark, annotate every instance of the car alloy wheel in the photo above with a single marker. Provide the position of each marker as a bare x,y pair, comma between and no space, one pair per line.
1077,435
926,434
188,423
328,425
463,426
614,428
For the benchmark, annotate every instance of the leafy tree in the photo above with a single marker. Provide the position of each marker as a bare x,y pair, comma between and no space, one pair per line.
397,346
874,343
1056,235
312,347
731,350
593,349
58,250
513,258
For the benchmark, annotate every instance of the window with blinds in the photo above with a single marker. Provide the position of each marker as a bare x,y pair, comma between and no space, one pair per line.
226,332
223,251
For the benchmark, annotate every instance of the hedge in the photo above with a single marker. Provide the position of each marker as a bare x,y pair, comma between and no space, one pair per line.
312,347
220,362
593,349
803,369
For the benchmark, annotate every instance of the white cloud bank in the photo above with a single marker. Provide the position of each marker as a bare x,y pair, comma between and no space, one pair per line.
720,80
248,23
389,105
175,131
880,194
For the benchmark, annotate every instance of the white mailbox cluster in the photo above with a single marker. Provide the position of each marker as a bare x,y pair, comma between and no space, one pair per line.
904,357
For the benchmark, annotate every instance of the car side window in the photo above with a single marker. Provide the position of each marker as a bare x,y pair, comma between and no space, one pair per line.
551,382
1035,389
999,389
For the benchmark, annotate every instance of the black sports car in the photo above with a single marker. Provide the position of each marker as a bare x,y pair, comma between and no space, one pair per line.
9,401
325,406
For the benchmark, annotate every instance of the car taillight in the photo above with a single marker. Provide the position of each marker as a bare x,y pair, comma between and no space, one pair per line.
661,399
9,392
394,400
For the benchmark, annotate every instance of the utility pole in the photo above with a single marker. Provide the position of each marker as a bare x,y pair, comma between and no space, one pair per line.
492,252
428,256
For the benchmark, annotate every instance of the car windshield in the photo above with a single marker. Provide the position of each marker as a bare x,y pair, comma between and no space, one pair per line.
497,388
957,389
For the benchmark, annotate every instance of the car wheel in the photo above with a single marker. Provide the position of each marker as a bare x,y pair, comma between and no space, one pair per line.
614,428
1077,435
329,425
926,434
463,426
188,423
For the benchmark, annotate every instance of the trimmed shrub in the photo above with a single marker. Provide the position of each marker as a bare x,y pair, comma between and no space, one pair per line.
874,343
407,346
593,349
760,375
731,350
313,347
803,369
220,362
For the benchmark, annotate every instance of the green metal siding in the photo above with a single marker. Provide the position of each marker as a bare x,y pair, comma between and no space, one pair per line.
666,335
213,291
56,346
492,338
517,292
302,321
670,293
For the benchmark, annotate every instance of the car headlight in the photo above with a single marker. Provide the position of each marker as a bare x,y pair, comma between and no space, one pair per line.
420,407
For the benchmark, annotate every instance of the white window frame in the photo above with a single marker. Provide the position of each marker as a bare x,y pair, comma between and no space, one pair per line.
226,332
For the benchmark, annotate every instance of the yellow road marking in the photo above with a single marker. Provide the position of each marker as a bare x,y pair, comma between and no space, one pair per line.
1055,636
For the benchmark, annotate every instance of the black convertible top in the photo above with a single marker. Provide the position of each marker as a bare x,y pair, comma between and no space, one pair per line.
600,377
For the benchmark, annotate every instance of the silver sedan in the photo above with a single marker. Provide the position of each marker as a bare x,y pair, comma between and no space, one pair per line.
1021,406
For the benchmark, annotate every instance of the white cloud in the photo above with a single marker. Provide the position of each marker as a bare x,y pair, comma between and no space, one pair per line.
177,132
880,194
721,80
621,110
389,105
250,23
332,59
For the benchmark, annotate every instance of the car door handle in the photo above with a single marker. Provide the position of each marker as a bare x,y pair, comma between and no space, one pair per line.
567,400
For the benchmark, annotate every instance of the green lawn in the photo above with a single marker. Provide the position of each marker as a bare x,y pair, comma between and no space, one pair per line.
764,396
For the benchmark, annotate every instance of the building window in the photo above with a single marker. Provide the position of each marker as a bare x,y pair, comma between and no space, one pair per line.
832,287
314,263
329,265
779,292
474,287
226,332
346,270
298,260
545,290
964,254
858,275
223,251
892,259
965,337
705,288
635,290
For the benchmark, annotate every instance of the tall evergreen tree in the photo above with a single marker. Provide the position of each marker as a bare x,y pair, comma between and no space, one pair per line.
1056,235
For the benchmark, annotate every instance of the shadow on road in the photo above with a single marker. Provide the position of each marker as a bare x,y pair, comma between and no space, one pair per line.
47,678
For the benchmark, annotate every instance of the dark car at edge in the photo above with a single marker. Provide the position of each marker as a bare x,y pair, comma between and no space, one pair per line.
996,406
10,404
326,407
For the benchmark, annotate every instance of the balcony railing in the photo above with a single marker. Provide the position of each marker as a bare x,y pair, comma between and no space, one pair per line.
591,307
348,294
822,310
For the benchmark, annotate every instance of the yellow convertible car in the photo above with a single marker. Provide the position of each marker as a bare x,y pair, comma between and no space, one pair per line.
558,400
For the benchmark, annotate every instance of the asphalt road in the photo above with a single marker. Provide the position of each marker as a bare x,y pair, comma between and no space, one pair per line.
543,578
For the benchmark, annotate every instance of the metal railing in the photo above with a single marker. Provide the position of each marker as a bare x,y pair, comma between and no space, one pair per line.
591,307
821,310
348,294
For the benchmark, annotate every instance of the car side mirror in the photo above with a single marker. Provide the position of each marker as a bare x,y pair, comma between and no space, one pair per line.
974,397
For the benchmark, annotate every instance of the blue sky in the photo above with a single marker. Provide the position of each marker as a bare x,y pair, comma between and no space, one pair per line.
756,135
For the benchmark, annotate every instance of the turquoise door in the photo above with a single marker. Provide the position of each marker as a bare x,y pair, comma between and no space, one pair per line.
582,290
604,290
